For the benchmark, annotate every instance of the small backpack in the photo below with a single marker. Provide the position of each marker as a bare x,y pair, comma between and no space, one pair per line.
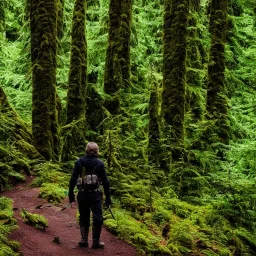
88,181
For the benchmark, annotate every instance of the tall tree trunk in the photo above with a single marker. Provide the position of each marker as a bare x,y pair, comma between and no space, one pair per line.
43,25
2,17
117,68
60,22
174,73
73,134
216,104
154,128
195,103
76,96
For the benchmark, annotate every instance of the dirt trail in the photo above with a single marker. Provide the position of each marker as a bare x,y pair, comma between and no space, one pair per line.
62,224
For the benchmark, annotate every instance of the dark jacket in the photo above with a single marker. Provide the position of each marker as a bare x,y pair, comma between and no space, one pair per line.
89,162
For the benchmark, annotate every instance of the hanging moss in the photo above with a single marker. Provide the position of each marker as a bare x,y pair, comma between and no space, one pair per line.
73,139
174,73
43,25
76,96
216,104
117,67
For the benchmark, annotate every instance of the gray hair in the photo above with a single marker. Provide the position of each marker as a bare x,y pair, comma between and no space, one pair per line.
92,149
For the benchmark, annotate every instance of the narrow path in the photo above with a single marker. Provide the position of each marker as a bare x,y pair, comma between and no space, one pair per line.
62,224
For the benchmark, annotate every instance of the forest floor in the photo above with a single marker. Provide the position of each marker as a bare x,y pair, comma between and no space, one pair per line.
62,225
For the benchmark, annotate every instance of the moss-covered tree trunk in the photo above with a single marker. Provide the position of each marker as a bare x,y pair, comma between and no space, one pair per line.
174,73
43,25
216,104
154,155
73,134
2,17
195,103
76,96
117,68
60,21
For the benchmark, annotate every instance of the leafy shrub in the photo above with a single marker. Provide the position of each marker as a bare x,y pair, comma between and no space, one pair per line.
52,192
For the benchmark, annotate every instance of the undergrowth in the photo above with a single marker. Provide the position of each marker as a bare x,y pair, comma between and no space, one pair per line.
7,225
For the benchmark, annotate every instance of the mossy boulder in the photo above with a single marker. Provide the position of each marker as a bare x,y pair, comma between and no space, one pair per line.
35,220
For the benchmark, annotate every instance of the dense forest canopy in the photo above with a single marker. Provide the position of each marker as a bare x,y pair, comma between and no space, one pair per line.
165,87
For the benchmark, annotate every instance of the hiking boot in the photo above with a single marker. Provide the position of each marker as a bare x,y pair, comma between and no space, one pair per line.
84,234
96,230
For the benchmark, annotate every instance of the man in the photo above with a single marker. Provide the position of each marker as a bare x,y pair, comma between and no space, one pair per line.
88,173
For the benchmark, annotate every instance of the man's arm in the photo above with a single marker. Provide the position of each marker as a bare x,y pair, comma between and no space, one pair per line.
73,181
106,185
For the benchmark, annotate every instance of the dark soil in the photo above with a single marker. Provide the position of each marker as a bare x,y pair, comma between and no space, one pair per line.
63,227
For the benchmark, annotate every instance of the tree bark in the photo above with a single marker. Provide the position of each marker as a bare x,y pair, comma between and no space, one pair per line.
154,152
43,25
76,96
117,67
73,134
2,17
174,73
216,104
60,22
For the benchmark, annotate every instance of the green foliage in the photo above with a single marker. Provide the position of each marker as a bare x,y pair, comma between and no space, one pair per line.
53,182
50,173
135,232
72,139
35,220
7,224
53,193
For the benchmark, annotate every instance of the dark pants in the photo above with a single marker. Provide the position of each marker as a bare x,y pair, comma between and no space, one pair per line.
87,202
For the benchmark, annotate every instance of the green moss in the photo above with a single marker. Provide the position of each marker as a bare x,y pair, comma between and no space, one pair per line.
2,17
55,175
7,224
27,149
43,25
73,139
174,74
10,174
76,95
12,126
94,113
154,152
35,220
3,153
117,66
52,192
134,231
60,20
217,104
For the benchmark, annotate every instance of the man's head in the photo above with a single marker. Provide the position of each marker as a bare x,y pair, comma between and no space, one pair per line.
92,149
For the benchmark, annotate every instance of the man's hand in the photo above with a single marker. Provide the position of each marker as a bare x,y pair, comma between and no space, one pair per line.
107,203
71,198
